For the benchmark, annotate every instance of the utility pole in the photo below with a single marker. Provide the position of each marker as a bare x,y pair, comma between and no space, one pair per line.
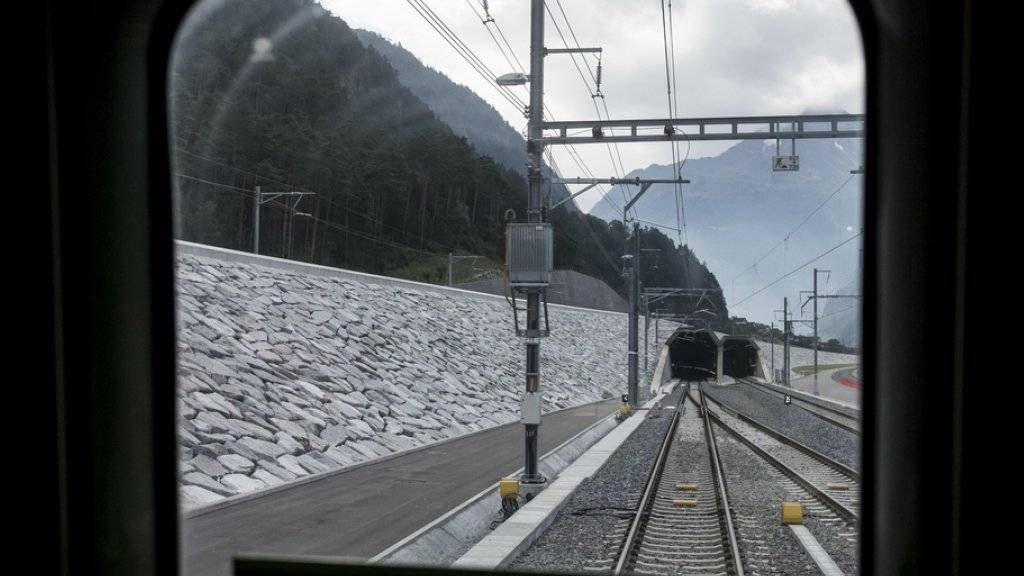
634,313
815,309
814,296
257,200
260,198
291,225
535,151
451,263
647,313
530,243
785,341
647,329
633,261
771,339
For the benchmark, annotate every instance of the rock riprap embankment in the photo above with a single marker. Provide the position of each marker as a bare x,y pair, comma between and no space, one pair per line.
283,374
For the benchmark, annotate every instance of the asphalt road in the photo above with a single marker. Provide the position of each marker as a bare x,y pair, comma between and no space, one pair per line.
360,512
828,386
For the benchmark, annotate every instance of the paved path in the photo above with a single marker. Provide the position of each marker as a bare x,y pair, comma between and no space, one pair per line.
835,384
361,512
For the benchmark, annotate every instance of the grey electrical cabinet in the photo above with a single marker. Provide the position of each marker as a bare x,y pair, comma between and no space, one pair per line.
530,255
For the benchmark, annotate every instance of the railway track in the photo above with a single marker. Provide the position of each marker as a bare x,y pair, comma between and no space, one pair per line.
683,524
827,490
830,415
832,485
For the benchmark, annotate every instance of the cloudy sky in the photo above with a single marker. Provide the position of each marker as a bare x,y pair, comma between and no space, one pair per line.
732,57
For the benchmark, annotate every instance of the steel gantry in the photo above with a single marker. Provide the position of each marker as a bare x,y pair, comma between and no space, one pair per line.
672,129
788,127
541,133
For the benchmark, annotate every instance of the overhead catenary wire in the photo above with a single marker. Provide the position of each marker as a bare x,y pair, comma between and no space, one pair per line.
354,232
618,169
840,311
362,204
446,33
670,84
501,49
789,234
573,153
438,24
798,268
507,53
675,104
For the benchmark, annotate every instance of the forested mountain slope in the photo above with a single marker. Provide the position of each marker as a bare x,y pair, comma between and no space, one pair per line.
281,96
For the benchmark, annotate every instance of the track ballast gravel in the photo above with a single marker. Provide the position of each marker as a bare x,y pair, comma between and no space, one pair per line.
756,492
800,425
589,525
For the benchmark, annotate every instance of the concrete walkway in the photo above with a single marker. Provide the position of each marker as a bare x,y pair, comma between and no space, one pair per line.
358,513
519,532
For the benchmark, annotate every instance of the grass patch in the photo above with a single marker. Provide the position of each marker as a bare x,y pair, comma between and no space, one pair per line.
808,370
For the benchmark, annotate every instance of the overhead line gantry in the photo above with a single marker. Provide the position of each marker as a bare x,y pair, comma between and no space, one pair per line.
530,243
799,127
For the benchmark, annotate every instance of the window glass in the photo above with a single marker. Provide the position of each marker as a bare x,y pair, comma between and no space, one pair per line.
391,307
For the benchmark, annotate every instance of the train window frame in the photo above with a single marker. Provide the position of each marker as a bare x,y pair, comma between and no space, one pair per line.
115,461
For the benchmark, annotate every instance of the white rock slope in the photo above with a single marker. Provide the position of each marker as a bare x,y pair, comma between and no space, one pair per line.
803,357
282,374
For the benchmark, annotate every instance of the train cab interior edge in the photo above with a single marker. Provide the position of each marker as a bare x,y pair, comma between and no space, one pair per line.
101,270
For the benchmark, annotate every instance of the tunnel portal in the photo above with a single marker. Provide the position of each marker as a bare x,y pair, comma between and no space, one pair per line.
739,356
693,354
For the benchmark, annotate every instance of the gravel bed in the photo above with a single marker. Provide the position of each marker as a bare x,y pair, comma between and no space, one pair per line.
804,427
577,537
756,490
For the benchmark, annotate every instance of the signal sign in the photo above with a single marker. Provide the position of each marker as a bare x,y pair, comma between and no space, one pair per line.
785,163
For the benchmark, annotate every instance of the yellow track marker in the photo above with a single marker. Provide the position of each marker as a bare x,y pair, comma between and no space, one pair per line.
792,513
684,502
686,486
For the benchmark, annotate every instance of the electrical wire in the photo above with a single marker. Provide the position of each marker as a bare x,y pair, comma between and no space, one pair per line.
786,238
798,268
453,40
618,169
250,193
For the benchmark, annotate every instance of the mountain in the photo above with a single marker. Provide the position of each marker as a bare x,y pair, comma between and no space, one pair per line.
280,94
840,318
466,113
738,210
354,169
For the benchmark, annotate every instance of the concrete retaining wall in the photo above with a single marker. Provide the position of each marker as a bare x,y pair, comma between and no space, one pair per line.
286,369
567,287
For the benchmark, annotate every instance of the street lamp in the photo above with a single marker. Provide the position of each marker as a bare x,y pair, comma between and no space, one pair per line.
512,79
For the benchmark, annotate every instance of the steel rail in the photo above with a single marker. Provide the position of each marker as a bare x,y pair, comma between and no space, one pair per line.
803,405
831,415
643,509
836,506
723,497
793,443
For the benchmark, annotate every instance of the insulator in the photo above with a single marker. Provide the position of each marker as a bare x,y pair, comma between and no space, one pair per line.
598,75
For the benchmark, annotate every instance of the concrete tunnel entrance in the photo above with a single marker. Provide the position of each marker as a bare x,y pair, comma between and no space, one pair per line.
739,356
693,354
